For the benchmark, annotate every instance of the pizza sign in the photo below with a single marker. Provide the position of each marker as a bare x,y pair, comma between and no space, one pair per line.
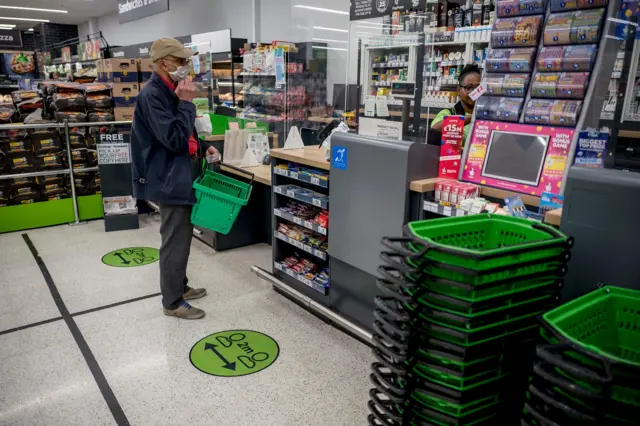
10,38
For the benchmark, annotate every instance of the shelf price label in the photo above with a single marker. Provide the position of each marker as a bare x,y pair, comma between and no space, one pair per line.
315,181
298,221
447,211
277,213
308,224
277,190
291,193
293,175
322,230
317,202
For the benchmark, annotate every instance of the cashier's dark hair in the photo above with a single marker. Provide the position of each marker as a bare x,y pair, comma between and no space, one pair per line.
468,69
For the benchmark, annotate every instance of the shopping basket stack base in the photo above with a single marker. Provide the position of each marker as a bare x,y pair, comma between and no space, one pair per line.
219,199
456,328
588,369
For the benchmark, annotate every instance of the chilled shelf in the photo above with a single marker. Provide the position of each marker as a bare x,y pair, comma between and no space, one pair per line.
322,183
299,244
302,222
315,286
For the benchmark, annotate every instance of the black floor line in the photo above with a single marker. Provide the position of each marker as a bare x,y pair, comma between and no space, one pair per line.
35,324
113,305
109,397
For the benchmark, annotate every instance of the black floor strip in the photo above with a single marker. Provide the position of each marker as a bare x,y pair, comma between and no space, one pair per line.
35,324
110,398
113,305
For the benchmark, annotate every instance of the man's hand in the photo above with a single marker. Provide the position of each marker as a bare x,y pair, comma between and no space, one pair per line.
185,90
212,152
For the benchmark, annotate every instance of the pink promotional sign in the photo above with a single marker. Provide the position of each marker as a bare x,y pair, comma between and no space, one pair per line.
558,141
451,146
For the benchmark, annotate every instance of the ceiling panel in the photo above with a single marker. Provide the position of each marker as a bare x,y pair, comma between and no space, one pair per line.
79,11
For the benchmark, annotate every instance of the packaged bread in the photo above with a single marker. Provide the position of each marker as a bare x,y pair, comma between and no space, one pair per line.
71,116
16,148
99,101
22,95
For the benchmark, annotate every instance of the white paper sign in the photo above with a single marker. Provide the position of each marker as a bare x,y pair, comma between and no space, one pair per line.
381,106
479,91
259,143
370,106
113,153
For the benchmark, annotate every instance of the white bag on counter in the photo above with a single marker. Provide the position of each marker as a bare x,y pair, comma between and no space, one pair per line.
203,125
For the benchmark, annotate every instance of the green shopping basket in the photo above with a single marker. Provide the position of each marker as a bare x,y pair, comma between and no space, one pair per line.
219,199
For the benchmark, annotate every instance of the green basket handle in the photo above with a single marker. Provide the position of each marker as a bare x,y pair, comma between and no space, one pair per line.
571,412
250,176
398,244
546,353
565,384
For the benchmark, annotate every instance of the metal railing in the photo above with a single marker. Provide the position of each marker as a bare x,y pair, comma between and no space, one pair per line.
70,170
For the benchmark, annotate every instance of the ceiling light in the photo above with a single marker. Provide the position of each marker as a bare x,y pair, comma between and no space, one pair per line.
35,9
23,19
320,9
7,26
328,40
30,29
331,29
330,48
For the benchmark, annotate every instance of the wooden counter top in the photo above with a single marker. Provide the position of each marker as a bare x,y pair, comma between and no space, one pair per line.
262,173
311,156
553,217
424,185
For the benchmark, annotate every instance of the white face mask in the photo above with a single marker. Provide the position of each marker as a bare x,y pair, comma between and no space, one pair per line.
181,73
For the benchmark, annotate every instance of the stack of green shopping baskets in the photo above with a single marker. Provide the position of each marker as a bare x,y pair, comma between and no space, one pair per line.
588,372
456,330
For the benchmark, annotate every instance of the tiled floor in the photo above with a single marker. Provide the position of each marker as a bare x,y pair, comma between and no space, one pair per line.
320,377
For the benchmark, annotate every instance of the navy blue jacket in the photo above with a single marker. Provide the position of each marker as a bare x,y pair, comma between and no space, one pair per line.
162,125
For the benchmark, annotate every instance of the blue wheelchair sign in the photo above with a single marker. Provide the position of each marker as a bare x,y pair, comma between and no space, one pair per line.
339,157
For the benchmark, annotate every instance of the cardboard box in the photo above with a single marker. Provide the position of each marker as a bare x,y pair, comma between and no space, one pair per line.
120,70
123,113
145,68
125,94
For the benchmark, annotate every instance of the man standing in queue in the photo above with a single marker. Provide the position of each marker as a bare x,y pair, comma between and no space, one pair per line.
166,157
468,81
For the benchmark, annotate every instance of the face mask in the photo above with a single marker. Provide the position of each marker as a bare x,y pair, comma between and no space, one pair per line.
181,73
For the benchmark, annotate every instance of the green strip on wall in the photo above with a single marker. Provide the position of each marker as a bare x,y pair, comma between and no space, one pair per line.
90,207
36,215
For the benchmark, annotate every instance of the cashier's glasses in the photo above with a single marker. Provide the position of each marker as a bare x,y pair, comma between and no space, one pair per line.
469,87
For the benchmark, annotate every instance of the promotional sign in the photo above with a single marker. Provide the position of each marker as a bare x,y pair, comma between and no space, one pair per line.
366,9
10,38
451,146
19,65
89,50
554,162
591,149
65,54
131,10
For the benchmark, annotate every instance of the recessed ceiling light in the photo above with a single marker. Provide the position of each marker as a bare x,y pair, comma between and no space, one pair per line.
321,9
7,26
30,29
23,19
331,29
35,9
328,40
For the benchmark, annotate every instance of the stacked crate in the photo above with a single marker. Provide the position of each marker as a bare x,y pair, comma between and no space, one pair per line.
589,369
455,336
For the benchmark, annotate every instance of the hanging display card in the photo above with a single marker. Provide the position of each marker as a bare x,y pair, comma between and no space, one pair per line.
451,146
279,65
370,106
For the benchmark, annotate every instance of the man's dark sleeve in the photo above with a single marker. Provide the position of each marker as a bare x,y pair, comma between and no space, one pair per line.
173,131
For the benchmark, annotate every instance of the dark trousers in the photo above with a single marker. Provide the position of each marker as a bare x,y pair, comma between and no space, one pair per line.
176,231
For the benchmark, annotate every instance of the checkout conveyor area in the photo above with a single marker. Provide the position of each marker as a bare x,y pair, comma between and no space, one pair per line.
378,187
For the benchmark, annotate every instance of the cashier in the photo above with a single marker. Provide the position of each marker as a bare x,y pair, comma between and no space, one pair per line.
468,81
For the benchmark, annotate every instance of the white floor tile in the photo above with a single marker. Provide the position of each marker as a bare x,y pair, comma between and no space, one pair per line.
320,377
45,380
25,296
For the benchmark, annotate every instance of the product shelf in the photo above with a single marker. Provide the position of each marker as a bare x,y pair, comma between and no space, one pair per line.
444,210
299,244
302,222
315,286
302,177
309,200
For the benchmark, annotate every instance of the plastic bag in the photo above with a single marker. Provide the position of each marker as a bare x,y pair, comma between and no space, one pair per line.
203,125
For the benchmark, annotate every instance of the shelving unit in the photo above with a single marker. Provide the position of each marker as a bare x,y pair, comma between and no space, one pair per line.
298,174
226,70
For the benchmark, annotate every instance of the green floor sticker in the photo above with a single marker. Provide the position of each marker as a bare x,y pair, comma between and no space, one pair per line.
131,257
234,353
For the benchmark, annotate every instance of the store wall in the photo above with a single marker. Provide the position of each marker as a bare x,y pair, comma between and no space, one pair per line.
183,18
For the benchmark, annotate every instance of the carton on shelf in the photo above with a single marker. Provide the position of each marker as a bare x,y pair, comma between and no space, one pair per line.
119,70
145,68
123,113
125,94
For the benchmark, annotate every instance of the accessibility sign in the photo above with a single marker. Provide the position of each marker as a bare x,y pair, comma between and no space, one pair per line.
234,353
131,257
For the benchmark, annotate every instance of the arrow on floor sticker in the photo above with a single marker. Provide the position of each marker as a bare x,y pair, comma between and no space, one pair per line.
126,262
228,365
